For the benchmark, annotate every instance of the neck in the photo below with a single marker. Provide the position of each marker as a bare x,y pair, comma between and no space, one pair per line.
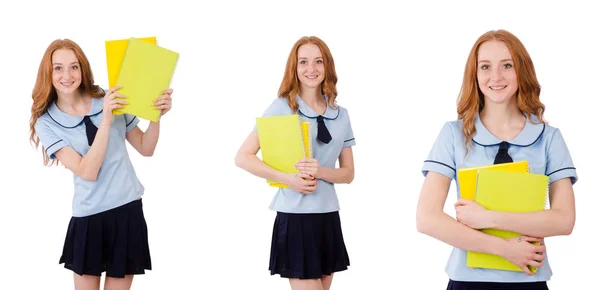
501,115
74,102
313,98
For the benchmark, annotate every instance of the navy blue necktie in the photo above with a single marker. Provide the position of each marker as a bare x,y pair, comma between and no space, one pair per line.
502,155
322,132
90,129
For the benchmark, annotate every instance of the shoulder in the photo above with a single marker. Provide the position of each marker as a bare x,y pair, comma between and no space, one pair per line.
44,120
279,106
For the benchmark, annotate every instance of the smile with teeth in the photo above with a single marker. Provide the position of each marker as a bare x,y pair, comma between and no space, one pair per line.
497,88
311,77
66,84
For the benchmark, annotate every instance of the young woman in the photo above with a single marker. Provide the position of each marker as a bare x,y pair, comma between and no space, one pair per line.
500,119
308,245
73,120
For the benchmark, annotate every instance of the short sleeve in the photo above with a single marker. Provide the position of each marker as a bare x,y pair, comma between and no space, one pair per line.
441,156
131,122
278,107
349,139
559,164
49,140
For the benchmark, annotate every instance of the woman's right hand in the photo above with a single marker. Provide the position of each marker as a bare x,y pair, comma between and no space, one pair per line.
522,253
112,100
302,183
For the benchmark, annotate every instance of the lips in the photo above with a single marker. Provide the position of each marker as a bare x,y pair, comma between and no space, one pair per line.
497,88
311,77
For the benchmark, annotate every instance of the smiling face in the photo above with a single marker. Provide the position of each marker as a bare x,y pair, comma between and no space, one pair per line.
496,75
66,71
310,68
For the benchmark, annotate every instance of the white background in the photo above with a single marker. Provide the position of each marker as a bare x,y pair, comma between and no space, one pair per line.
400,69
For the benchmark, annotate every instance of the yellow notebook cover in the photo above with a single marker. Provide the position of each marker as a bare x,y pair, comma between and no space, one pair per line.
507,192
467,177
147,70
115,53
281,143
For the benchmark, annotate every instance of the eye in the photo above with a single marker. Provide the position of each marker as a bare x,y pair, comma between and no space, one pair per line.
303,62
319,61
75,67
485,67
57,68
507,65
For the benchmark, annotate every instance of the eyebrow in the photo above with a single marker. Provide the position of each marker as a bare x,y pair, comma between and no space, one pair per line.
56,63
320,57
502,60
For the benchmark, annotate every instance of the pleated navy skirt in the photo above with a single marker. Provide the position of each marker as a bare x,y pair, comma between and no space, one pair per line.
457,285
307,246
114,241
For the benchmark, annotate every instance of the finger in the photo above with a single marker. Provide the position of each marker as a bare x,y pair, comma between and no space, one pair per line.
538,257
461,201
112,90
535,264
539,249
531,239
304,175
167,92
526,270
117,95
163,107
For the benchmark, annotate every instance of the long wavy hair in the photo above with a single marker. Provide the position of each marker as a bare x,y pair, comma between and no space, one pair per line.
290,85
44,93
471,100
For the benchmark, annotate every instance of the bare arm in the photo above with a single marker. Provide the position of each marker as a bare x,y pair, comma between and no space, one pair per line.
558,220
144,142
432,221
88,166
246,159
344,174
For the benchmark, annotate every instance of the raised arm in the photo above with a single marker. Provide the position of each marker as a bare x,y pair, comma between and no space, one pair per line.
145,142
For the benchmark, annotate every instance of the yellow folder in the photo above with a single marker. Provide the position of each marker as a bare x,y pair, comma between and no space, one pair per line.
115,53
507,191
284,140
146,71
467,177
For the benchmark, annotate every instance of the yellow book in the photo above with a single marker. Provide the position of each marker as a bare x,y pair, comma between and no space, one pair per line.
507,191
146,71
115,53
467,177
283,142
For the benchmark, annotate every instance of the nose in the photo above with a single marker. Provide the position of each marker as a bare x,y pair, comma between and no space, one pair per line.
497,74
66,74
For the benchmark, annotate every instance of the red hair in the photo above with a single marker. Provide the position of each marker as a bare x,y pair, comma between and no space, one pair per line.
290,85
471,99
44,93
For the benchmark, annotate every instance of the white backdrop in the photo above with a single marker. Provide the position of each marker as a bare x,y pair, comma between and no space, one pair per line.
400,69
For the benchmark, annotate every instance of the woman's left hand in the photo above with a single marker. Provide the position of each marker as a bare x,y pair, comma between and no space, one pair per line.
309,166
163,103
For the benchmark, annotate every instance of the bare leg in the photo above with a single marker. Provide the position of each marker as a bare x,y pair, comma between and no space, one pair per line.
326,281
306,284
118,283
86,282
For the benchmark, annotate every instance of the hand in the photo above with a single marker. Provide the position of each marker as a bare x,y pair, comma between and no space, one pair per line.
301,183
522,253
309,166
112,101
163,103
472,214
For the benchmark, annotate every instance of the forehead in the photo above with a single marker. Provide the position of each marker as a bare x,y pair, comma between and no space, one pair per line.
64,56
493,50
309,50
